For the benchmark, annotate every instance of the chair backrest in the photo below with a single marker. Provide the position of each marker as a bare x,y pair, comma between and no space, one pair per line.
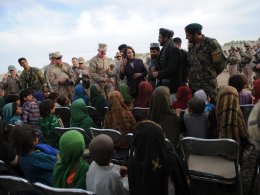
246,109
60,191
140,113
116,136
87,135
64,114
5,169
17,184
92,111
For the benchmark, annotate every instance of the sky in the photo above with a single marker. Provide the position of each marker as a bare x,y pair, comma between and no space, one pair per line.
34,28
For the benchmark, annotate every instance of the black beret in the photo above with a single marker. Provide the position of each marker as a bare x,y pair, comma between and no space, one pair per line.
193,28
166,32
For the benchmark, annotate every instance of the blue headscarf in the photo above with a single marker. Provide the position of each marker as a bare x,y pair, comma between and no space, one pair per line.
79,92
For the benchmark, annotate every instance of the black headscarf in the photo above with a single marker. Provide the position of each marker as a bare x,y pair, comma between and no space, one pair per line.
151,164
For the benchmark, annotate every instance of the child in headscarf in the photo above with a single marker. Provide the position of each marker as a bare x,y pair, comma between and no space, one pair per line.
103,177
152,169
118,116
183,95
79,92
12,114
144,95
201,94
70,169
125,91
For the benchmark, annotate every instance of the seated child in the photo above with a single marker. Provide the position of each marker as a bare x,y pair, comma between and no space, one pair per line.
183,95
48,122
36,165
196,118
103,177
11,114
201,94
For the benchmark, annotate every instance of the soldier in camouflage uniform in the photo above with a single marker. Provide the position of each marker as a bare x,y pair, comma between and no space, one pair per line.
234,59
31,77
99,71
46,68
61,76
206,60
246,61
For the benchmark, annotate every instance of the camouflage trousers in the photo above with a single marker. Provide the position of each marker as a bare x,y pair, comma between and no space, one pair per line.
66,90
248,72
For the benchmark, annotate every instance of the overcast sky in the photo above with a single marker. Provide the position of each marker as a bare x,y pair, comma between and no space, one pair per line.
32,29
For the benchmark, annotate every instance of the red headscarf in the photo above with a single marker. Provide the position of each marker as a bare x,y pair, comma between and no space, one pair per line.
183,95
144,95
256,89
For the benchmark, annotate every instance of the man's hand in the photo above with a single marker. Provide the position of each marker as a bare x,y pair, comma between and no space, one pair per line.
155,74
137,75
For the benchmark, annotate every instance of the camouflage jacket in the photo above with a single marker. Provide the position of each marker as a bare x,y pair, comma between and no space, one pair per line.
33,79
206,62
234,58
97,69
247,56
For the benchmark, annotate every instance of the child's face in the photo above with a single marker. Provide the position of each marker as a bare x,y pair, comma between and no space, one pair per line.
29,97
18,102
18,110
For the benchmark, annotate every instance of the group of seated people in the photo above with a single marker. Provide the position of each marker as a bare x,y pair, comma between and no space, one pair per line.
42,156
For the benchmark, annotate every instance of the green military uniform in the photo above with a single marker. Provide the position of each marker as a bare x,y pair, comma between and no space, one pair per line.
33,79
206,62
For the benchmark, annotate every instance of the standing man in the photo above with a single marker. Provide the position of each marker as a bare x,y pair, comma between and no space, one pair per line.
153,63
206,60
169,62
246,61
82,71
234,59
99,71
31,77
11,81
61,76
75,63
46,71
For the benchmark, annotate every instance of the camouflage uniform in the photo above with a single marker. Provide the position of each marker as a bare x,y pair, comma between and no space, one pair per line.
98,75
234,60
46,68
246,59
55,72
206,63
33,79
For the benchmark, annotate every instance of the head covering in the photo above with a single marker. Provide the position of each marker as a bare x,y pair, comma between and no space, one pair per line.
124,90
151,164
144,95
196,105
79,115
183,95
102,47
247,44
201,95
122,47
81,60
118,116
230,119
51,55
79,92
160,104
256,88
8,112
11,67
154,45
166,32
56,54
39,96
71,146
193,28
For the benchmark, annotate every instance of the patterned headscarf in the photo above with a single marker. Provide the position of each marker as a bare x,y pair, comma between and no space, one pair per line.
230,119
144,95
118,116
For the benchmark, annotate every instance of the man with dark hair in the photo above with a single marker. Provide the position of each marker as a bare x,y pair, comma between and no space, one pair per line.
153,62
169,61
206,60
122,48
31,77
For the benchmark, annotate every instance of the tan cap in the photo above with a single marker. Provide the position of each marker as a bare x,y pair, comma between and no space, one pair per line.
56,55
81,60
102,47
247,44
51,55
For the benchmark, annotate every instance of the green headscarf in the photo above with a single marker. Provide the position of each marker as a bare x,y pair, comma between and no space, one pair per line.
72,146
79,115
97,100
124,90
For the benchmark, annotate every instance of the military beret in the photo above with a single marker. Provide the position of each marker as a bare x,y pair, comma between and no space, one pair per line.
193,28
166,32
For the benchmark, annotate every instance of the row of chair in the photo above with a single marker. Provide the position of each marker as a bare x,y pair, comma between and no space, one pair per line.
12,184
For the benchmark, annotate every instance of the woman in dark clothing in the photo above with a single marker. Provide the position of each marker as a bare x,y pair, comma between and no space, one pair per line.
133,69
153,169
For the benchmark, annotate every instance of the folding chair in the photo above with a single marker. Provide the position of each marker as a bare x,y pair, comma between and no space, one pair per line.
19,185
212,160
140,113
64,114
87,135
246,109
60,191
92,111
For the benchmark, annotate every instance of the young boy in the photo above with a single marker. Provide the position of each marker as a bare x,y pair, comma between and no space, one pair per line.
37,166
103,177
